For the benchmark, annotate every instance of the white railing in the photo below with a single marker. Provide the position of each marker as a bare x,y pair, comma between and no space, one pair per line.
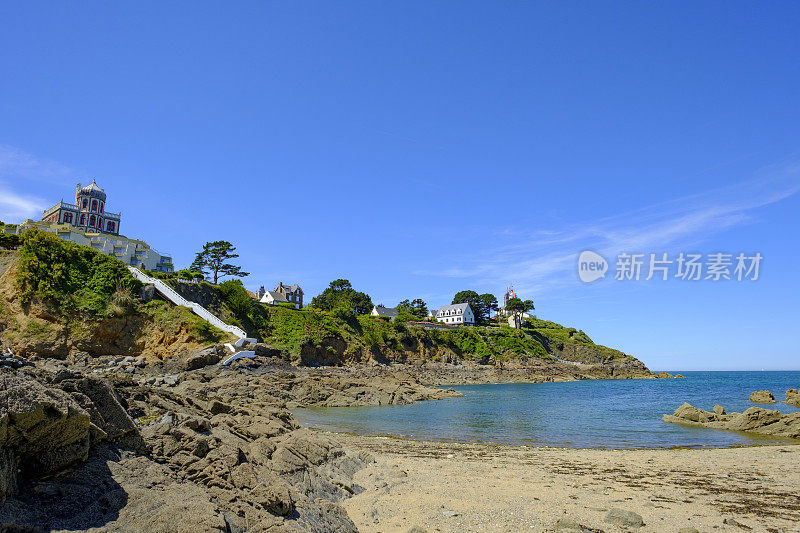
177,299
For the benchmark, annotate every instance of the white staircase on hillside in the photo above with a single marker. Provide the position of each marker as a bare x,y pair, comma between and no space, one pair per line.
177,299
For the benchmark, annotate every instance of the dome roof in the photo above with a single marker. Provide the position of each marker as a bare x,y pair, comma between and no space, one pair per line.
93,190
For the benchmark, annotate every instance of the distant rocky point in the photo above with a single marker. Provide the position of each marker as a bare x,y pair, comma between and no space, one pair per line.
667,375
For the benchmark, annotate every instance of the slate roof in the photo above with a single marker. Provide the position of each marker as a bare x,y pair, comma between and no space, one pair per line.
288,288
386,311
453,307
94,190
278,297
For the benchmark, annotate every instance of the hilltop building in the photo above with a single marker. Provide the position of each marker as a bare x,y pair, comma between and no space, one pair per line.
272,297
132,252
501,311
87,213
456,314
389,312
292,293
87,222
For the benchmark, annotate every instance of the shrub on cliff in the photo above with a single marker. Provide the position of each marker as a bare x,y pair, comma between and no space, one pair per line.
10,240
71,276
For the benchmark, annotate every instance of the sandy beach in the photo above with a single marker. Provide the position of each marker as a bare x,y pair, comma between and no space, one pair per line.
479,487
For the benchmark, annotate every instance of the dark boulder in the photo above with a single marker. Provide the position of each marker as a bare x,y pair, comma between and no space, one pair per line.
43,431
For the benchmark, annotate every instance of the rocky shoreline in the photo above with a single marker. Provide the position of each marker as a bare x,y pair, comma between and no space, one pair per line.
127,444
82,452
187,445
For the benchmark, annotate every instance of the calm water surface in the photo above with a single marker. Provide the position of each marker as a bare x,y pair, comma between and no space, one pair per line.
585,414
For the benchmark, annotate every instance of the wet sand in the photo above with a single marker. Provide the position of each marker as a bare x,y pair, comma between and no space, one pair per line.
479,487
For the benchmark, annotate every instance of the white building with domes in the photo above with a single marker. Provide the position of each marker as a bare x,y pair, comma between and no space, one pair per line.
87,213
87,222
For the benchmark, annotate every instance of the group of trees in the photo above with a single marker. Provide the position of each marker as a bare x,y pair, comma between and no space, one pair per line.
416,308
340,295
518,307
481,304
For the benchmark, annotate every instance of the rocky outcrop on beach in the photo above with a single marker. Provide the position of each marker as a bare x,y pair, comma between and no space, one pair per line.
793,397
762,396
209,450
753,420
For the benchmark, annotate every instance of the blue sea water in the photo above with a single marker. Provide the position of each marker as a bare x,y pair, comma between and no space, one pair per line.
582,414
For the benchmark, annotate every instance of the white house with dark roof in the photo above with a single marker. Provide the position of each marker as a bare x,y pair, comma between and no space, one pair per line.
272,297
389,312
456,314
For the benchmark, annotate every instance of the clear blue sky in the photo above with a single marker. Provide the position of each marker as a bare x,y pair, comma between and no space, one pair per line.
421,148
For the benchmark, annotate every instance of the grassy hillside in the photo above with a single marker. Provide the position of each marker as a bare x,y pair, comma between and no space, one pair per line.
571,344
312,336
60,296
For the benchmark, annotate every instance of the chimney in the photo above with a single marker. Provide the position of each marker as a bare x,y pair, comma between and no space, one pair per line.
77,191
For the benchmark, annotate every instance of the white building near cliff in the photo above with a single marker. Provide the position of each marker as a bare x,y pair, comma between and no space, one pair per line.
456,314
132,252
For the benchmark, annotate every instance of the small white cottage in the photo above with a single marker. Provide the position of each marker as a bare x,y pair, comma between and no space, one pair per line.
272,297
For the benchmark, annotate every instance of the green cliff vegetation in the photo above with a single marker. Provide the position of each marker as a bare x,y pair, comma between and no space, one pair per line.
58,295
356,337
73,277
571,344
79,284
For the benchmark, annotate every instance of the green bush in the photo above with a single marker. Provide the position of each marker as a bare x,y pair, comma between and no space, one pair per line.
71,276
403,317
10,240
343,312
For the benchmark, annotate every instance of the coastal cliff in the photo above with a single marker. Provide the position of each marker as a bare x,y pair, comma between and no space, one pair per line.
114,413
61,300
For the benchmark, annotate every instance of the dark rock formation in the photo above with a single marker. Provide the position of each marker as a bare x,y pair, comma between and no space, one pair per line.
43,431
210,355
212,451
754,420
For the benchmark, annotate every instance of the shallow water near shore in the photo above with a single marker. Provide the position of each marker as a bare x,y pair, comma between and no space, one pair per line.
580,414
